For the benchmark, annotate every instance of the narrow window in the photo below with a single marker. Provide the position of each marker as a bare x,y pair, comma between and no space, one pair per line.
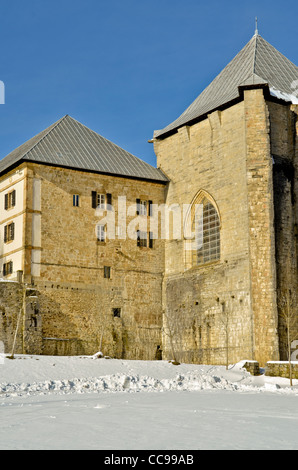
143,207
107,272
109,201
10,200
138,202
76,200
117,312
9,231
208,235
150,239
101,233
101,201
94,199
150,204
141,238
7,268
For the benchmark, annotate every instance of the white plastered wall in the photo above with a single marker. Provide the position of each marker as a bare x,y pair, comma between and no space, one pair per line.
14,250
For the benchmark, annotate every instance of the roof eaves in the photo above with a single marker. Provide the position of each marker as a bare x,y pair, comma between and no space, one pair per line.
162,180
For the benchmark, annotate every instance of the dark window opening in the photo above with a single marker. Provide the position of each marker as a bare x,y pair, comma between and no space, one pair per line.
76,200
9,233
107,272
150,239
117,312
7,268
141,238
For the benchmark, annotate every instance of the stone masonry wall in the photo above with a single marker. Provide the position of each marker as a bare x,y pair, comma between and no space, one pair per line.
211,303
78,303
261,226
20,318
284,150
229,305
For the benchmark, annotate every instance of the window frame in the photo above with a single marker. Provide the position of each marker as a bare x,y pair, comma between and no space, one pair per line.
10,200
107,272
101,233
210,250
76,200
9,232
7,269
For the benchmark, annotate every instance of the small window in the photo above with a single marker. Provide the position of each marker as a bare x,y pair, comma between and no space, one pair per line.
10,200
76,200
101,201
9,233
141,207
101,233
7,268
141,238
107,272
117,312
151,240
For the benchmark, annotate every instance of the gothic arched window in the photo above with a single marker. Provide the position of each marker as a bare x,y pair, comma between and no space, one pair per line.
207,232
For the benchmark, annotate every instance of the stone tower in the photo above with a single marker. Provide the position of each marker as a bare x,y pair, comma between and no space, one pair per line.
234,151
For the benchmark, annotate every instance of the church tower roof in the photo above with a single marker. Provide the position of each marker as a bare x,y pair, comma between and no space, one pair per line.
257,64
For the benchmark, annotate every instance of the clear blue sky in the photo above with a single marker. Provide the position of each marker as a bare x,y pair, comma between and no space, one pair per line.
122,67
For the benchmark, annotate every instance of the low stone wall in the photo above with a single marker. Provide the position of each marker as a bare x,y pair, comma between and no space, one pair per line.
20,319
252,367
281,369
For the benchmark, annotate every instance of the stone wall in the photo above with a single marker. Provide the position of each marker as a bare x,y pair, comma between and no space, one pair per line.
213,301
20,318
232,302
284,150
82,310
261,226
281,369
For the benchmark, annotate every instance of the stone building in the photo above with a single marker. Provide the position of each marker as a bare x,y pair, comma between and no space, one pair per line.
190,259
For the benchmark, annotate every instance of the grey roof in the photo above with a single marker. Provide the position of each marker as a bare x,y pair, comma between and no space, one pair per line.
68,143
258,63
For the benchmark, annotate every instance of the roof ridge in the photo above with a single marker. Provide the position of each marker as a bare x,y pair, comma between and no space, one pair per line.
51,128
255,53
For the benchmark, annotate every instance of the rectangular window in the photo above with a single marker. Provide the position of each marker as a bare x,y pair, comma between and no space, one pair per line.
141,238
117,312
9,233
7,268
101,201
101,233
76,200
107,272
10,200
150,239
150,204
144,207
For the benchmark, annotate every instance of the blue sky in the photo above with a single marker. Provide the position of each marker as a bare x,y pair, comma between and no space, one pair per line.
122,68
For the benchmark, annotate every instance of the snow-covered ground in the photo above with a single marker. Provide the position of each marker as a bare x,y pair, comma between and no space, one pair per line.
86,403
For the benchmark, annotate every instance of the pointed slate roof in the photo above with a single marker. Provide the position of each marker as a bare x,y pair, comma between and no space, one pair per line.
258,63
68,143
